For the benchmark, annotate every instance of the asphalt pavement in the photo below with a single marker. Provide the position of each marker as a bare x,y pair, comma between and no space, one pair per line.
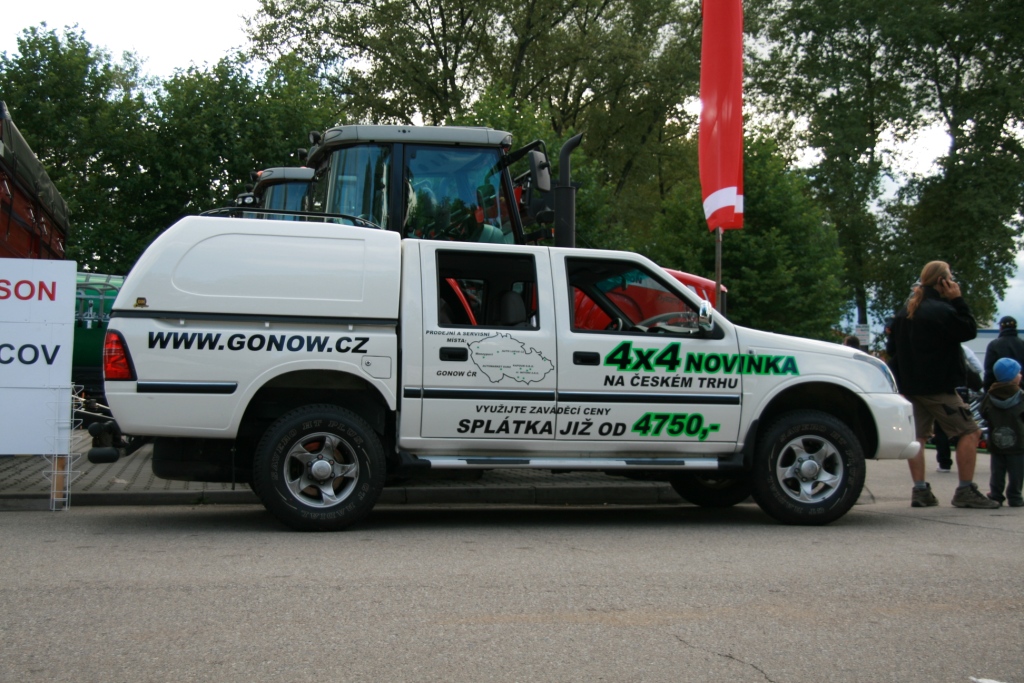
130,481
24,485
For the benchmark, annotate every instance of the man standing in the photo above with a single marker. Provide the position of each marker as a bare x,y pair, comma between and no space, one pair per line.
929,365
1006,345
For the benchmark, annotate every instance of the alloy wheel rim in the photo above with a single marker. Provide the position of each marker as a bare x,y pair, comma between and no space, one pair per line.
320,470
810,469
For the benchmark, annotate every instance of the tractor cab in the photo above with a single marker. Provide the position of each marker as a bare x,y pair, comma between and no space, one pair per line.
439,183
276,193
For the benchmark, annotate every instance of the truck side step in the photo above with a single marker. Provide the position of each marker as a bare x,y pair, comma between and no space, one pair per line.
483,462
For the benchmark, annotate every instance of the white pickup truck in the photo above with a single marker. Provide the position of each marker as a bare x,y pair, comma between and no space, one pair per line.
314,360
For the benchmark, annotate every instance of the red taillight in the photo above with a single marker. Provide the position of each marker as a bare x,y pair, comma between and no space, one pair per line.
116,363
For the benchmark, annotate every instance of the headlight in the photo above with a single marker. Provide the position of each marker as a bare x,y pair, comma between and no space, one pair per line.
882,367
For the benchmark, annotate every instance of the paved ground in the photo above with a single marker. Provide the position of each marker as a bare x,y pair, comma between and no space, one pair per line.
130,481
531,593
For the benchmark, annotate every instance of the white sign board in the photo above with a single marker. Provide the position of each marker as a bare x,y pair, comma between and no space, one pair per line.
864,335
37,326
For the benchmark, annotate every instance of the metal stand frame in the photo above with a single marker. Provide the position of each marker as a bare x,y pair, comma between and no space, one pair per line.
60,457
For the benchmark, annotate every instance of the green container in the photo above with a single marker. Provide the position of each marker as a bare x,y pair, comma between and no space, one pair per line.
94,298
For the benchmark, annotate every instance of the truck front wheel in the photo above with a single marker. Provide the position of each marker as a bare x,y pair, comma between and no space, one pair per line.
808,469
319,468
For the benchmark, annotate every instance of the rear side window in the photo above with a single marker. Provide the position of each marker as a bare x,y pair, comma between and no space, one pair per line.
486,290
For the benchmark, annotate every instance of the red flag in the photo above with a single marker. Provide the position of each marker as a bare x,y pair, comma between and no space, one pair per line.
721,114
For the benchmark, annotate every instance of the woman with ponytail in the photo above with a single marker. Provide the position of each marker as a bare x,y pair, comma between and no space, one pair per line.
928,362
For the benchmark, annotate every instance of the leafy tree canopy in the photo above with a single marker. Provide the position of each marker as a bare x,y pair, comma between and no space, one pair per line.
130,155
782,269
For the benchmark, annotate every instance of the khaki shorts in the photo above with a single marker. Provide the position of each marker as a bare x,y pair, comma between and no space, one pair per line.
949,410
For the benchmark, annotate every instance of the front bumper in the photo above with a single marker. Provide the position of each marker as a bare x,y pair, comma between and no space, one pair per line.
894,419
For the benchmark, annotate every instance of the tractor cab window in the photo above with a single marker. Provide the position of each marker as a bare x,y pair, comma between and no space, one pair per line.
288,196
456,193
622,296
353,181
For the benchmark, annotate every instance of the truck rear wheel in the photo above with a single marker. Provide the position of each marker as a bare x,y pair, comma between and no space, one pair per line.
319,468
711,489
808,469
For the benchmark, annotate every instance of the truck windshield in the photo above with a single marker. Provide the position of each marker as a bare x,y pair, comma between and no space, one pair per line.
456,193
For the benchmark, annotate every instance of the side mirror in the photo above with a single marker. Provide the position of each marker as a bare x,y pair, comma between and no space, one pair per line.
540,171
705,320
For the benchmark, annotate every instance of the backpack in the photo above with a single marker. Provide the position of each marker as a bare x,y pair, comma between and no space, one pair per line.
1005,429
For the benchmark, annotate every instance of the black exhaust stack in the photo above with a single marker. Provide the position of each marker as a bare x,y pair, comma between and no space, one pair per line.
565,197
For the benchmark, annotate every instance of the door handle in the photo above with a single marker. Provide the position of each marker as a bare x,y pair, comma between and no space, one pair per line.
454,353
586,358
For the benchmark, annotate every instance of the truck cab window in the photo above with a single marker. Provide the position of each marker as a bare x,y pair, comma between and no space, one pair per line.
456,194
486,290
620,295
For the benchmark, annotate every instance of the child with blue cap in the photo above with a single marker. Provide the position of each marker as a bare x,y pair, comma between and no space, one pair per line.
1003,409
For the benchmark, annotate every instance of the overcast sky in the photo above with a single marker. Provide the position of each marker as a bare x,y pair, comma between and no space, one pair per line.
177,34
168,35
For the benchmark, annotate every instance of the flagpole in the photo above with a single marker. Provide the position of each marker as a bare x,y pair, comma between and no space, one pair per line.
718,269
720,135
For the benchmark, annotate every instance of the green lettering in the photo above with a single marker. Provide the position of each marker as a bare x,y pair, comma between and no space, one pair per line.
620,356
694,362
731,362
669,357
643,425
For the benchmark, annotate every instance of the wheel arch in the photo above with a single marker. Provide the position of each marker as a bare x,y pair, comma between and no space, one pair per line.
836,400
297,388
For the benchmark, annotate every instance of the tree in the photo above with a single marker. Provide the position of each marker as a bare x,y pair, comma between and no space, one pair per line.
407,58
617,70
131,156
863,69
782,269
834,65
88,121
217,124
967,57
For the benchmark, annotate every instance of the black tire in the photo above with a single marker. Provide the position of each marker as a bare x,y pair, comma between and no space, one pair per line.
808,468
319,468
711,489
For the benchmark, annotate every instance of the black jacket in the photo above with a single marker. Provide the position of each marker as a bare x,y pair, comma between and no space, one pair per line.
925,351
1006,345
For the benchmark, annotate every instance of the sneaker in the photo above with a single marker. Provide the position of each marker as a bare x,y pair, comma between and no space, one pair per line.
1016,503
942,470
923,498
999,501
971,497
